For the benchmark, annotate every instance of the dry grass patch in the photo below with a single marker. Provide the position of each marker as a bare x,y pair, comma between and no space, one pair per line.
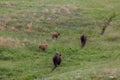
10,42
2,25
15,42
8,4
106,74
63,9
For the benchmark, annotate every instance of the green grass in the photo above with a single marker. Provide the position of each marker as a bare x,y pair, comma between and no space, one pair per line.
24,24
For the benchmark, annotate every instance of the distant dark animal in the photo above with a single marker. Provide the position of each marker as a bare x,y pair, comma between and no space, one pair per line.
56,60
83,40
103,30
43,47
107,23
55,35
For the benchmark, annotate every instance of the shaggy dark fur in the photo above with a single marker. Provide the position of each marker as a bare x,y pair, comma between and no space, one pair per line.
56,60
83,40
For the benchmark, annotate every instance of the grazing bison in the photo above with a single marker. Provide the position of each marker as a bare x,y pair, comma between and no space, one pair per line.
83,40
55,35
56,60
43,47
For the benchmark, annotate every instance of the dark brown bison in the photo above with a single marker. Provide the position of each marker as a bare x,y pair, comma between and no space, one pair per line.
83,40
55,35
56,60
43,47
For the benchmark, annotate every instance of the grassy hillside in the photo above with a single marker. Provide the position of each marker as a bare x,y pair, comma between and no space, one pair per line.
25,24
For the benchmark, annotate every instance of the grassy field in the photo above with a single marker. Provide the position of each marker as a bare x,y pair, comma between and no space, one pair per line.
25,24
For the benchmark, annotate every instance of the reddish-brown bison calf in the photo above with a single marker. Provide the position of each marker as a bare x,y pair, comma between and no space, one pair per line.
55,35
43,47
83,40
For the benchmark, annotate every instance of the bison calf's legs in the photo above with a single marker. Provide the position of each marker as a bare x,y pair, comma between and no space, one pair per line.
83,44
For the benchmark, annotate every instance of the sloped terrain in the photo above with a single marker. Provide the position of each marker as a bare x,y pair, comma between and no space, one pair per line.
25,24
